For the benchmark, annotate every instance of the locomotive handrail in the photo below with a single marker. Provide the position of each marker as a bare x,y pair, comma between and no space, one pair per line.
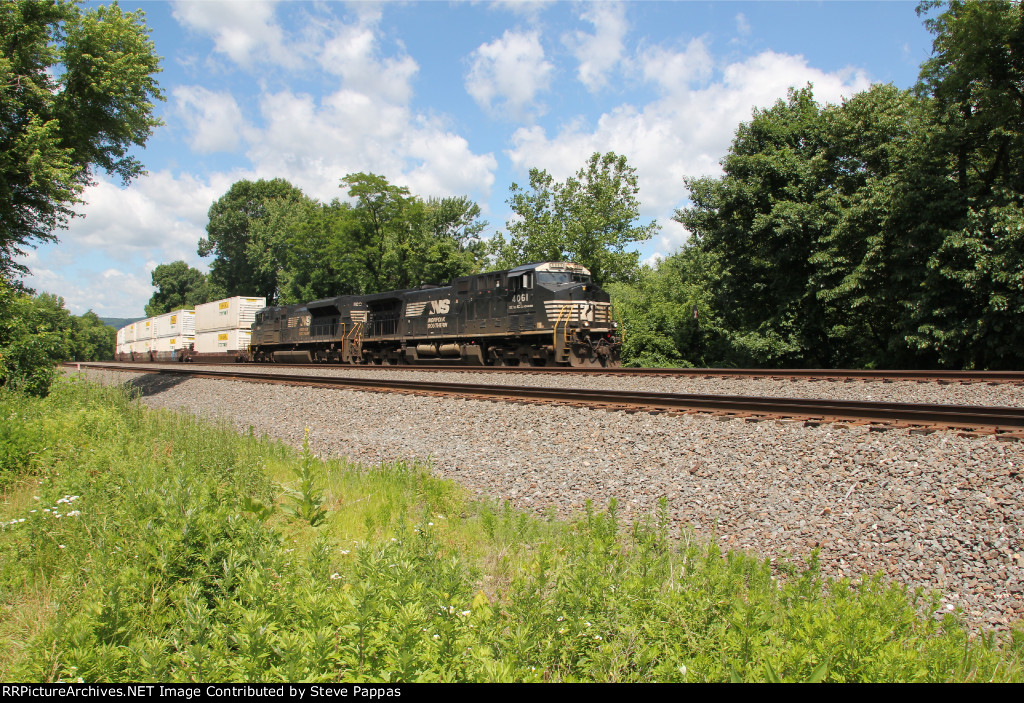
564,317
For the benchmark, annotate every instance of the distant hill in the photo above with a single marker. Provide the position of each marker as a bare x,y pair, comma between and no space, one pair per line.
119,322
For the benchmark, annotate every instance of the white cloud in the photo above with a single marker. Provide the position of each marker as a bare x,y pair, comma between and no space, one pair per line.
507,74
684,132
214,119
160,216
653,260
742,25
112,293
600,52
246,32
677,71
352,54
314,144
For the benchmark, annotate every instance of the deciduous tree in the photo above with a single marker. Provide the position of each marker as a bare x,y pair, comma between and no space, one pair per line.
76,93
590,219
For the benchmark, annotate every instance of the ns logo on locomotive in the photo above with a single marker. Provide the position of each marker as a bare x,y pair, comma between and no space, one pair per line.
542,314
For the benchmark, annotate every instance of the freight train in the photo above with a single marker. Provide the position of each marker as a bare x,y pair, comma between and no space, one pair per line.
544,314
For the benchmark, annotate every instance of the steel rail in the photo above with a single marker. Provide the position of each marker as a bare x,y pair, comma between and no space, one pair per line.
885,375
971,417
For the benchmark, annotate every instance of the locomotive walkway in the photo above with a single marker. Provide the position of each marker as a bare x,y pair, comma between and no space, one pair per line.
1004,422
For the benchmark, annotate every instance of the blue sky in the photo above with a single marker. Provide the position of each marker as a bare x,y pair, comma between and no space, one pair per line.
453,98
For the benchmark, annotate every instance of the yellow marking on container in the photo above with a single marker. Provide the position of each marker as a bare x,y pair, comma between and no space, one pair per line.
174,319
222,337
225,305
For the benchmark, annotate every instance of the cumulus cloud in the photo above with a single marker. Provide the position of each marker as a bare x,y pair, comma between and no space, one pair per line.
352,53
110,293
676,71
348,132
246,32
213,118
160,215
683,132
507,74
600,52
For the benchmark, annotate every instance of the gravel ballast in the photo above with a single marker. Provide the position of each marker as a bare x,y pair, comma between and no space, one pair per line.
1006,394
935,511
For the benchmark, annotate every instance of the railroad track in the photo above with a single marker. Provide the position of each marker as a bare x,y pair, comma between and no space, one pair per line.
835,375
1004,422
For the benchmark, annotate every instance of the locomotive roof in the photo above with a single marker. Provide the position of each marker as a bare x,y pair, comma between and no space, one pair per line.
551,266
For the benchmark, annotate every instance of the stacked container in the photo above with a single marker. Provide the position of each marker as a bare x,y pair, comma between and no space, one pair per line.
221,329
173,332
161,338
224,327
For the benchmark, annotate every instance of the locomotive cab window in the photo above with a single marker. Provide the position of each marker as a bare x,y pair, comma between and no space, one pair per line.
521,282
550,277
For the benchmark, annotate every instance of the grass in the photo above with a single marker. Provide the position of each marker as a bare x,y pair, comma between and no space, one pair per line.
187,552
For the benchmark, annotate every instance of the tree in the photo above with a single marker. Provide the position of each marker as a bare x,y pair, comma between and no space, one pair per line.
761,220
76,93
972,298
240,266
817,225
401,241
178,286
669,314
34,336
91,340
588,219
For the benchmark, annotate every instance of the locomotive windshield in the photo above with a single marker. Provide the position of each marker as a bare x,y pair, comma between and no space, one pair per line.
561,277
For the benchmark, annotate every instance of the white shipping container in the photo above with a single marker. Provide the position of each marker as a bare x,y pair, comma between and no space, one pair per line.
169,344
129,333
144,329
221,341
120,339
175,324
231,313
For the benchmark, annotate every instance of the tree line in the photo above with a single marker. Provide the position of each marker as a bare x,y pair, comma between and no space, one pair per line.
268,238
887,231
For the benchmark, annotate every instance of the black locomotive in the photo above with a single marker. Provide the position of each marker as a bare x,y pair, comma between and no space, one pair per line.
542,314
